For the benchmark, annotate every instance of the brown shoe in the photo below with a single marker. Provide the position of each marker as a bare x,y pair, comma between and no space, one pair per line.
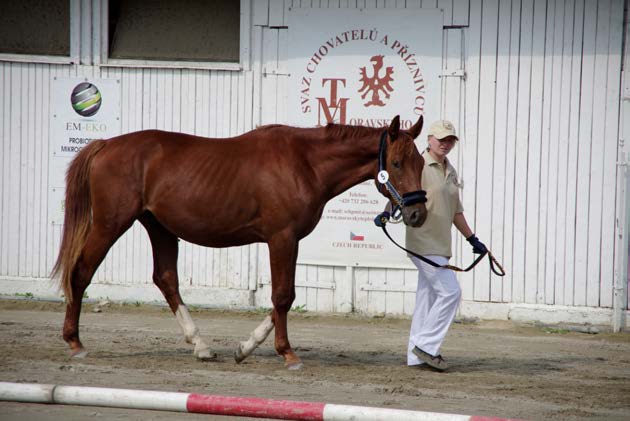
436,362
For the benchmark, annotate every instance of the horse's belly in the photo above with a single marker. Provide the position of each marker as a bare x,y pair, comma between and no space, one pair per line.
216,239
211,232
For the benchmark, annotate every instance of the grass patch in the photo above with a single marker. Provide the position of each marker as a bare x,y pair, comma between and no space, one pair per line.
556,331
300,309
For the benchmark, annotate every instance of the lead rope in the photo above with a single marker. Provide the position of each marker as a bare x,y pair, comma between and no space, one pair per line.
382,219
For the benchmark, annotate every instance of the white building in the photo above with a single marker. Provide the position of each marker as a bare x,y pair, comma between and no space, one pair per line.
536,88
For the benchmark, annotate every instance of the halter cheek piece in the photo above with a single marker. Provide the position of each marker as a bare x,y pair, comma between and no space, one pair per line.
407,199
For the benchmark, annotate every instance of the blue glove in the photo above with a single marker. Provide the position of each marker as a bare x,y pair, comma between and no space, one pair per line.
478,246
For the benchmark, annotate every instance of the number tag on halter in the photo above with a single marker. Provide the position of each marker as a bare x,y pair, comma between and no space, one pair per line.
383,177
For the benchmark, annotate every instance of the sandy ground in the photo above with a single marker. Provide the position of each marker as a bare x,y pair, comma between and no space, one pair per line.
497,368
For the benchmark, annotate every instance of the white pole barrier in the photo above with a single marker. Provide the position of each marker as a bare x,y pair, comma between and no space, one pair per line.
213,404
26,392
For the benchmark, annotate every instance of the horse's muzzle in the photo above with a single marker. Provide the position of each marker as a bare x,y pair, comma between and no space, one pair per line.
414,211
414,216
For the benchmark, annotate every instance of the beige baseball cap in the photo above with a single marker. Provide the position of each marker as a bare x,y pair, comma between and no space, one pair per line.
441,129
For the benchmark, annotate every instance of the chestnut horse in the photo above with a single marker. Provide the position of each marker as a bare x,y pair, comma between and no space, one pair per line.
268,185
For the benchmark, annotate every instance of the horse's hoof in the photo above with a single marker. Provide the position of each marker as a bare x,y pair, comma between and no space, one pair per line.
206,355
78,353
294,365
239,356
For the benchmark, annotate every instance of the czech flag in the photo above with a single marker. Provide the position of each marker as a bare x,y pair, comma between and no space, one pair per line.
354,237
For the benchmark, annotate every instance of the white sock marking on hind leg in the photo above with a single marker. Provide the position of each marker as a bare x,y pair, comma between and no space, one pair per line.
257,337
191,333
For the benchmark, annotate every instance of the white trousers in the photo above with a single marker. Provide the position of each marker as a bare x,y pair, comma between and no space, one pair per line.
437,299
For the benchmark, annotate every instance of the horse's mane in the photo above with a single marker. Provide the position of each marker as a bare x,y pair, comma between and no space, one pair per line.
331,130
349,132
268,126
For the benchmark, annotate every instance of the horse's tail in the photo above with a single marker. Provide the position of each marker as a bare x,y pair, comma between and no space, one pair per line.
77,216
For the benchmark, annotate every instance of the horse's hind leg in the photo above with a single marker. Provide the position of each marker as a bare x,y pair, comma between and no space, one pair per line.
97,244
165,251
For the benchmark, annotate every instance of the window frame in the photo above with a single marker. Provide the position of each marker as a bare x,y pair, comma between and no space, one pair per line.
75,35
102,49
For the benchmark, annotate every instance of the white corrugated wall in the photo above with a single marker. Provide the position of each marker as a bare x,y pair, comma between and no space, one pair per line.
533,86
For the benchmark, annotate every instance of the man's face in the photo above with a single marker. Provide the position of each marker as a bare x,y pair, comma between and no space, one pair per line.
441,147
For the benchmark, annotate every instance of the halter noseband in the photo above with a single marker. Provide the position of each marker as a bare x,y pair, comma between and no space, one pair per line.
407,199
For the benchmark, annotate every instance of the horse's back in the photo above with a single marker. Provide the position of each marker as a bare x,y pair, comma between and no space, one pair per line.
197,187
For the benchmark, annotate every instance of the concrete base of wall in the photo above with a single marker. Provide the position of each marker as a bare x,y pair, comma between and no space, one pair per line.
43,288
547,314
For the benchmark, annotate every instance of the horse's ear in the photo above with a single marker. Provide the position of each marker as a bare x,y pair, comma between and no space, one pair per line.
393,128
415,130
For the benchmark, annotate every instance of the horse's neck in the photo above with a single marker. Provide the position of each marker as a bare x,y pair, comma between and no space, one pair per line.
344,163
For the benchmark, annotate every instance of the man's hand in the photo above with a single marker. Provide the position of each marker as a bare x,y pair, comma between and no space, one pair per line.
478,246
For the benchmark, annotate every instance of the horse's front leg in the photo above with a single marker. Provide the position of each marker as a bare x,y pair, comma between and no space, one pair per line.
283,251
257,337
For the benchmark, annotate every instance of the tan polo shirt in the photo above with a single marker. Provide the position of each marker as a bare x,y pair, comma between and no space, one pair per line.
443,202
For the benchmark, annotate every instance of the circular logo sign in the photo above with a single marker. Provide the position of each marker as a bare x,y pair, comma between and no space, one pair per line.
383,176
86,99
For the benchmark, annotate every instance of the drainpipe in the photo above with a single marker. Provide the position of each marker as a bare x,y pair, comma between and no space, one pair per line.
622,214
621,246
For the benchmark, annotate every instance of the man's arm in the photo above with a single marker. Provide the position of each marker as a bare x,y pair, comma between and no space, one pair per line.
459,220
460,223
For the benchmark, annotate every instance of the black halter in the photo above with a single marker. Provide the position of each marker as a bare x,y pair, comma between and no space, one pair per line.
407,199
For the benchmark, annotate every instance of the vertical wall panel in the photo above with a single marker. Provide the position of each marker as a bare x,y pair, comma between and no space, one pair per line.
511,119
394,300
276,13
572,156
522,150
482,223
28,176
534,157
562,123
447,8
551,139
598,145
376,297
547,48
269,78
496,241
470,136
5,112
584,150
15,150
451,109
460,12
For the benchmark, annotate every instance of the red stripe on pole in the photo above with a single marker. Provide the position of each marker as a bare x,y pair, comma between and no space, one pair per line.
255,407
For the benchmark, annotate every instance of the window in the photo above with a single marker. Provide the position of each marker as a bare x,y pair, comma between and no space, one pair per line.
166,30
35,27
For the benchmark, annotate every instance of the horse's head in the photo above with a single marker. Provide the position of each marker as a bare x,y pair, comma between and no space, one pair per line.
399,173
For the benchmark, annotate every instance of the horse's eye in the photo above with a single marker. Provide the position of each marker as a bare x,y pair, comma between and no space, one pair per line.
396,164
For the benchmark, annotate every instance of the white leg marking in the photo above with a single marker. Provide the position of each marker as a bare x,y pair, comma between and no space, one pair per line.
191,333
257,337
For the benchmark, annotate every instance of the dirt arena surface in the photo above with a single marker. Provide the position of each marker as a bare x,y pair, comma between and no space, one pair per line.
497,368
